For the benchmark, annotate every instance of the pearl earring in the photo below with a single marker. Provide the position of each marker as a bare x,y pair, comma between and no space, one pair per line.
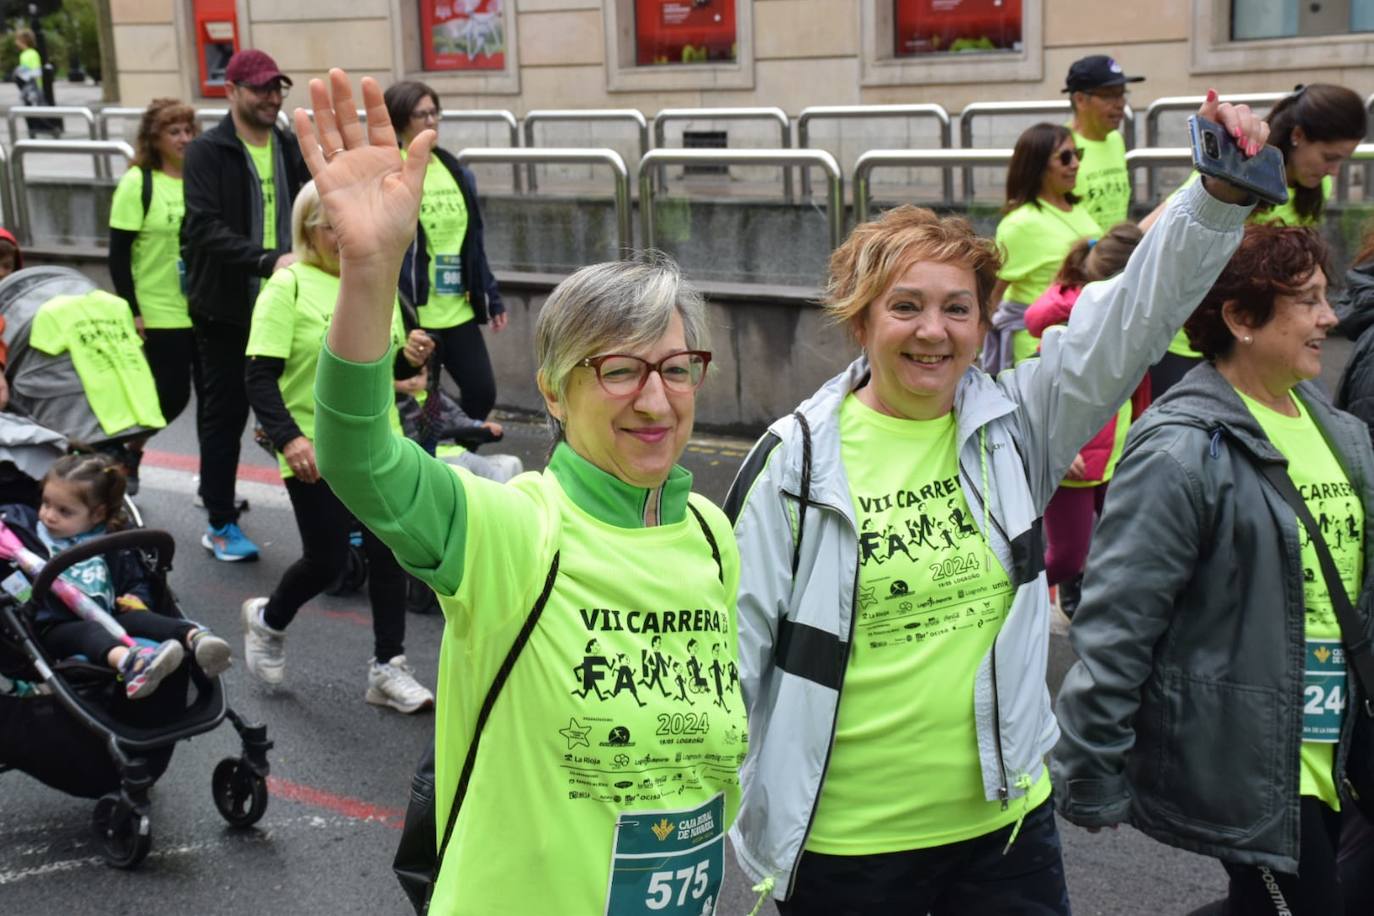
1248,339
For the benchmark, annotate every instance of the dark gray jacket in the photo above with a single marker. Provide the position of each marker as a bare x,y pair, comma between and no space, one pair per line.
1183,714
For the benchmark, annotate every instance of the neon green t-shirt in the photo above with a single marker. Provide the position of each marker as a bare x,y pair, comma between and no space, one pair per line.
157,264
624,705
1285,214
97,329
1035,240
1334,503
1104,183
904,771
444,216
290,319
29,59
263,161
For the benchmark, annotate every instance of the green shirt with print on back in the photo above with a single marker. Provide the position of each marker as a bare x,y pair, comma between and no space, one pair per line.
608,771
1335,504
97,329
290,319
904,770
264,163
156,259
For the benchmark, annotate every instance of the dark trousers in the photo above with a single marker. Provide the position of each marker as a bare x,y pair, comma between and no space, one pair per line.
83,637
1315,891
175,362
972,876
463,352
324,524
1356,860
222,414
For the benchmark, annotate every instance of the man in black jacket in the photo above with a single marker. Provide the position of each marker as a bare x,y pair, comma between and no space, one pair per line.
240,180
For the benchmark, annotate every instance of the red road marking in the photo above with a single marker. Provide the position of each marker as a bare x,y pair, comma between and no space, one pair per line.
354,808
177,462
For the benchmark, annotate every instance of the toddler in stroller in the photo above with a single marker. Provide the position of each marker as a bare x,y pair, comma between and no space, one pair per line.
81,498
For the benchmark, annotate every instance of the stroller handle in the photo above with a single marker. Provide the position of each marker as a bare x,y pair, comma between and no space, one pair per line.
154,540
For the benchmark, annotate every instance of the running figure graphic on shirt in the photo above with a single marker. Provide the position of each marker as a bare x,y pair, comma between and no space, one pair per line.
591,671
653,665
625,678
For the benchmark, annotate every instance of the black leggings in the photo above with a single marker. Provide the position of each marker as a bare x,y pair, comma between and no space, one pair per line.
66,638
1259,891
175,362
463,353
324,524
221,415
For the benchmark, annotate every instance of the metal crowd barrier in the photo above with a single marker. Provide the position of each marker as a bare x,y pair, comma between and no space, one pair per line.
1191,103
489,115
569,156
827,112
631,115
7,189
656,160
946,159
724,114
22,148
976,110
16,112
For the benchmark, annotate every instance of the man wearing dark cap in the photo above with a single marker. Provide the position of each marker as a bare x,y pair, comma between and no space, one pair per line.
240,179
1097,91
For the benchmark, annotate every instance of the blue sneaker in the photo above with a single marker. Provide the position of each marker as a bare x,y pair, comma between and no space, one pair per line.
228,543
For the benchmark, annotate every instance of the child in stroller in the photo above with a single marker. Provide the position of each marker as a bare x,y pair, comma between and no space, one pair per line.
81,498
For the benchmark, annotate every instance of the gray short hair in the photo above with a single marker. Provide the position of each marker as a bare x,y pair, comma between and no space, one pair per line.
621,305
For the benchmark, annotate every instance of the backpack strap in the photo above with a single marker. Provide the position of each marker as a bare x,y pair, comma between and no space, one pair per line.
147,191
1357,644
493,692
805,489
710,539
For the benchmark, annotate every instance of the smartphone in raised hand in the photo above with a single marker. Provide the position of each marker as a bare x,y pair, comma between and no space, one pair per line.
1215,153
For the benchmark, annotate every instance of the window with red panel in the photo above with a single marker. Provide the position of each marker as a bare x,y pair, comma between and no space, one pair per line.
463,34
955,26
684,32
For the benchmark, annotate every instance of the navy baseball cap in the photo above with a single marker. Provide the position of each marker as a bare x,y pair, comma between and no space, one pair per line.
1094,72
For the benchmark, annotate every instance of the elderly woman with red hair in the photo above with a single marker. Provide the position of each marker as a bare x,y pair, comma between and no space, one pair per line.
1208,706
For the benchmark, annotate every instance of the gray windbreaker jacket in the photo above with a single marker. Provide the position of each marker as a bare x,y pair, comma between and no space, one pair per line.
1016,437
1184,714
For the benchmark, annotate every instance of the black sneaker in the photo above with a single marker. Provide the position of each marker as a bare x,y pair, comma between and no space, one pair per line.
1070,594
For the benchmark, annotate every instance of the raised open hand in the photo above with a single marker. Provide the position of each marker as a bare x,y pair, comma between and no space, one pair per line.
371,194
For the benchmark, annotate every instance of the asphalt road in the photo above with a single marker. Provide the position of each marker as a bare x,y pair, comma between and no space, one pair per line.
341,768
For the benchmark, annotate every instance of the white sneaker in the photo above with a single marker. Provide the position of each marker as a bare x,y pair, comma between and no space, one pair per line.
393,684
264,649
212,654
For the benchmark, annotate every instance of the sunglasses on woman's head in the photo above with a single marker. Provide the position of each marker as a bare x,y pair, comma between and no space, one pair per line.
1068,155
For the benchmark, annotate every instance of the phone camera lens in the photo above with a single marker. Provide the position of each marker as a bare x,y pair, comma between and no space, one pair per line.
1210,146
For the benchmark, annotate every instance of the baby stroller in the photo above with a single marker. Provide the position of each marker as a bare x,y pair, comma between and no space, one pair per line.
67,722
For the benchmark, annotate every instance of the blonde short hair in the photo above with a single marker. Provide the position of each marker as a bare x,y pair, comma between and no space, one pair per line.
307,213
879,251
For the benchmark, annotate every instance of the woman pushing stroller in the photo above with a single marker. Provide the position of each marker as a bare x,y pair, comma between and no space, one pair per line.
82,497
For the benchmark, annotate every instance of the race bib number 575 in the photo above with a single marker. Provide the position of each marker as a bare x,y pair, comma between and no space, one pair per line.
668,862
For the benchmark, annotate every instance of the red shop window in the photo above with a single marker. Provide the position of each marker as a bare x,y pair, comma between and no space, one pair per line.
944,26
463,34
684,31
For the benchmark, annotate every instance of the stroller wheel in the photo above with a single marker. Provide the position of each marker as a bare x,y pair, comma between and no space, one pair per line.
125,835
240,794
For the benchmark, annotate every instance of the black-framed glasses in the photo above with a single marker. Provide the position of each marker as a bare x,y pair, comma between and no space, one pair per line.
429,114
1069,155
622,375
1109,95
